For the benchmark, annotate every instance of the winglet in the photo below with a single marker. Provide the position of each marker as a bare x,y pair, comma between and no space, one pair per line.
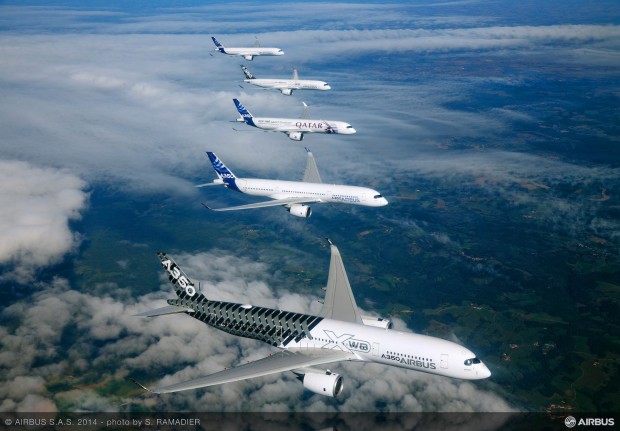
141,385
339,301
295,74
311,174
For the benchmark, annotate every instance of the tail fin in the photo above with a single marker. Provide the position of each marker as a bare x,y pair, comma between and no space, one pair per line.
223,172
183,286
218,45
245,114
247,72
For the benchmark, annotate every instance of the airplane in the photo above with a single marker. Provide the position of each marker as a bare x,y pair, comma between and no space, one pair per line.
293,195
293,127
247,53
307,343
286,86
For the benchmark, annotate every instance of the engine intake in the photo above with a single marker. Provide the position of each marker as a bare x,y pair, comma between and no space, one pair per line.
287,91
300,211
296,136
328,384
377,322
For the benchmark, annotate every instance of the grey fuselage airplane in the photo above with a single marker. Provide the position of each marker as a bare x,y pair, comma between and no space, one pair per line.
295,128
308,342
247,52
292,195
286,86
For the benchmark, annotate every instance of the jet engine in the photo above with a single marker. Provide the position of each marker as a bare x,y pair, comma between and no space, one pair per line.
287,91
300,211
328,384
248,57
378,322
296,136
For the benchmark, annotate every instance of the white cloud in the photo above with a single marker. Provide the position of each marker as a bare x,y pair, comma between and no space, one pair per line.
36,206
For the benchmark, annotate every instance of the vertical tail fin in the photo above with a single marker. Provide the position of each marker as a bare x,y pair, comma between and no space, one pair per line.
183,286
247,72
245,114
223,172
218,45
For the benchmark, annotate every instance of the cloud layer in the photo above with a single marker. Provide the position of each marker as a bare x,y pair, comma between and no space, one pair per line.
36,206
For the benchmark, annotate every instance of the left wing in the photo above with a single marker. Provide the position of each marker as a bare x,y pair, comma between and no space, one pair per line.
273,203
286,360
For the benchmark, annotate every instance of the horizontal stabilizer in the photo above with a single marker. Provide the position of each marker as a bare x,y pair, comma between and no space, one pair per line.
169,309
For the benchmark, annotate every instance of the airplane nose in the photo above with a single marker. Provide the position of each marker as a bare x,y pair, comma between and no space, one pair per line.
384,202
352,130
483,372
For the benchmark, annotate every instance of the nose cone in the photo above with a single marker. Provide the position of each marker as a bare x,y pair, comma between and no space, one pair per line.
350,130
280,52
482,372
383,202
327,87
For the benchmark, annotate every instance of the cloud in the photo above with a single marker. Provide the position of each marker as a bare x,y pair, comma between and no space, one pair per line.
36,206
90,344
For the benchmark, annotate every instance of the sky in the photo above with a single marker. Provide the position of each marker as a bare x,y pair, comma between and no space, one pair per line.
108,97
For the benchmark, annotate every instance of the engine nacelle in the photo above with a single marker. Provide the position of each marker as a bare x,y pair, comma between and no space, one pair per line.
328,384
248,57
296,136
377,322
287,91
300,211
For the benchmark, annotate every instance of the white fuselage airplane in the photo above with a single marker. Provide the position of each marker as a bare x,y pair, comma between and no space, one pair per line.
293,127
338,333
293,195
247,53
286,86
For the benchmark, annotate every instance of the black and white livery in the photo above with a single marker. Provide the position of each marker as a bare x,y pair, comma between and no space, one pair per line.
307,343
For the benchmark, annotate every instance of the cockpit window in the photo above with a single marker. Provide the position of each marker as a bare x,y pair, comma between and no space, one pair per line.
326,85
349,127
378,196
472,361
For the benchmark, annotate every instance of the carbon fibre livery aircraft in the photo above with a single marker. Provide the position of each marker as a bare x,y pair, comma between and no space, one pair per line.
248,53
293,127
293,195
286,86
308,343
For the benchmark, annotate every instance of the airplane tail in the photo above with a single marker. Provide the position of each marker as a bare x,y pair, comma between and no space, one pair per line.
183,286
247,72
218,45
245,114
223,172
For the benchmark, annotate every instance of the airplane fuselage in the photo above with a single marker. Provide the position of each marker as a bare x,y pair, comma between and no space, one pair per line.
293,84
276,189
292,125
303,332
248,53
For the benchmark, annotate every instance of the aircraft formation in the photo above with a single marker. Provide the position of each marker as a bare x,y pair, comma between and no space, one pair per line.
307,343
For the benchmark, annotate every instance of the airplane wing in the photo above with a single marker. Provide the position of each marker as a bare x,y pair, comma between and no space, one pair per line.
273,203
339,302
311,175
285,360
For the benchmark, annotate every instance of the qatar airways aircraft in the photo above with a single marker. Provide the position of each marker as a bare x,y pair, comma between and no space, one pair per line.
286,86
293,195
293,127
247,53
307,343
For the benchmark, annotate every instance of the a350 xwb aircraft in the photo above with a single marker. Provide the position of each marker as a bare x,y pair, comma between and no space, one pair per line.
293,195
293,127
308,343
286,86
247,52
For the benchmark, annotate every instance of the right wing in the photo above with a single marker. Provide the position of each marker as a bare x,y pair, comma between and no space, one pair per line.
273,203
339,302
279,362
